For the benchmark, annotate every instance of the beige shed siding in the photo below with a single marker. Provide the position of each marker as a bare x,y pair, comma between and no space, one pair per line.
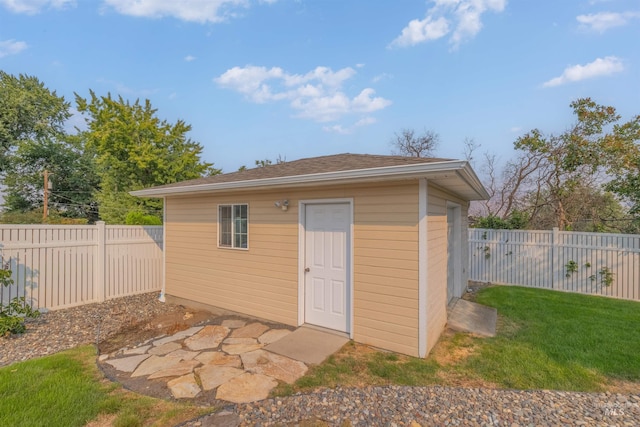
263,280
260,281
437,260
386,267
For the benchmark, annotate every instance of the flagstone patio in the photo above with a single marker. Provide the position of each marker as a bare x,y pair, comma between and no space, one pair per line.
226,359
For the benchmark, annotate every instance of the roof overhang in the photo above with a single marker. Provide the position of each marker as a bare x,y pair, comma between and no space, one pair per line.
456,176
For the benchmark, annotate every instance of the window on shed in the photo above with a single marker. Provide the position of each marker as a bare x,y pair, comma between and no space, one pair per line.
233,226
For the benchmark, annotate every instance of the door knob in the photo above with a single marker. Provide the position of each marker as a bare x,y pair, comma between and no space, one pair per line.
306,270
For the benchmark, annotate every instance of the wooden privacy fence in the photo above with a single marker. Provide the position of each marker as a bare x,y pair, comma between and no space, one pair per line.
59,266
589,263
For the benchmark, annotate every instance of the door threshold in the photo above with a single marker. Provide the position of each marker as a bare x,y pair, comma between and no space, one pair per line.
327,330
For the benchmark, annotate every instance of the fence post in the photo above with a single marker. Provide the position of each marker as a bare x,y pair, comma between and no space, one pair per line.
100,262
555,255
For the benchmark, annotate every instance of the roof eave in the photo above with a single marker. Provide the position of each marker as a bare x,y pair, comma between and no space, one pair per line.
460,167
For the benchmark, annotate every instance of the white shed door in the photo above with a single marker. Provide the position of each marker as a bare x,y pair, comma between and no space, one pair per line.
326,287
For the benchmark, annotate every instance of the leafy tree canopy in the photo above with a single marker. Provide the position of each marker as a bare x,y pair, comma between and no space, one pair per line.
135,149
28,112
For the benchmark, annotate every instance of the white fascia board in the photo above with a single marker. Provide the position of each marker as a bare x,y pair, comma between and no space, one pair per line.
349,176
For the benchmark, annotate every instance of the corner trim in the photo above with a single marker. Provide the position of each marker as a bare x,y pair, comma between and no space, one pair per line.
423,330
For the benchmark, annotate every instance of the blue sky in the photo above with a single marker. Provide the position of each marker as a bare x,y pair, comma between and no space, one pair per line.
297,78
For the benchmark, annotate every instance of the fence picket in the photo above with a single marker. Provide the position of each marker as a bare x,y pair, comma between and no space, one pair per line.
59,266
604,264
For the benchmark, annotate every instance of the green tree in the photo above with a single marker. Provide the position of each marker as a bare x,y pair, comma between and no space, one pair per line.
565,162
135,149
28,112
71,173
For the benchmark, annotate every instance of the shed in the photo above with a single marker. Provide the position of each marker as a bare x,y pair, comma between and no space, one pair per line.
368,245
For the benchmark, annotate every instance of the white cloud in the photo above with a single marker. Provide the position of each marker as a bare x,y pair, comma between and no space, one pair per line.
600,67
34,6
459,18
11,47
602,21
200,11
316,95
382,76
515,129
365,121
189,58
337,129
419,31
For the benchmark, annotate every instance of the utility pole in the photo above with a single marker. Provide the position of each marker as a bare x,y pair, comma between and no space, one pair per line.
45,211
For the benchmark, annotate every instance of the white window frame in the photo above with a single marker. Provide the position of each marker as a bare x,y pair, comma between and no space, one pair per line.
233,226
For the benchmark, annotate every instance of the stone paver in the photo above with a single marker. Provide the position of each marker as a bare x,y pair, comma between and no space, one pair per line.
137,350
183,354
240,348
163,349
253,330
127,364
273,335
240,341
184,387
273,365
182,368
219,358
234,323
246,388
226,359
154,364
209,337
214,376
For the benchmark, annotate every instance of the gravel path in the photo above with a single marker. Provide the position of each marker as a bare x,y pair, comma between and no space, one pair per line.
435,406
64,329
374,406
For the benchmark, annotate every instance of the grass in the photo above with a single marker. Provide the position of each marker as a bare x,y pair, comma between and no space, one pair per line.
67,389
559,340
545,340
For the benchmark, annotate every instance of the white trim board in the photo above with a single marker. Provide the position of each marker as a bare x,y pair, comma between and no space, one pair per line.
423,202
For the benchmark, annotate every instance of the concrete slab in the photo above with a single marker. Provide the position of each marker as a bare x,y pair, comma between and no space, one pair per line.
467,316
273,335
311,346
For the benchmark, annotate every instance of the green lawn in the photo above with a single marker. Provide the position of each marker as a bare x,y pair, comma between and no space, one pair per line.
545,340
67,390
559,340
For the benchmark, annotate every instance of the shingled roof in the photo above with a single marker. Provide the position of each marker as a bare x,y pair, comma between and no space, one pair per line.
304,170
